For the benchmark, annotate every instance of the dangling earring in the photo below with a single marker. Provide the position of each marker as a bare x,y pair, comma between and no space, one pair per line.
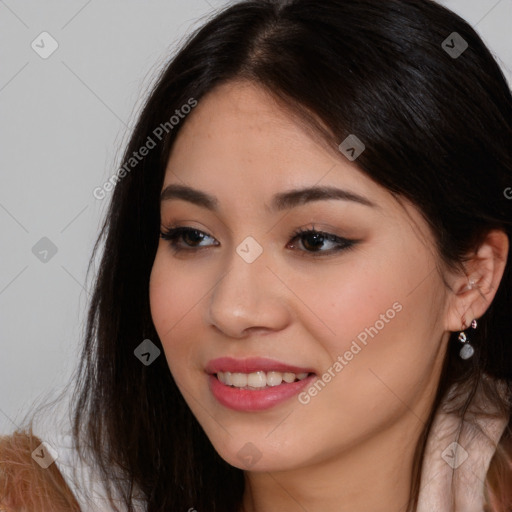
467,350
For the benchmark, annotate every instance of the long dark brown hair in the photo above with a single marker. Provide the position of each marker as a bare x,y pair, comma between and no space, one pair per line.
437,131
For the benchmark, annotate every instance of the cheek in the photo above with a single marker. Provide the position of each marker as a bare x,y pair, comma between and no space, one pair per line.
340,303
379,320
175,297
385,344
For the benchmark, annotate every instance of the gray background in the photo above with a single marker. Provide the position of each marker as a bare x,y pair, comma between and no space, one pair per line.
63,120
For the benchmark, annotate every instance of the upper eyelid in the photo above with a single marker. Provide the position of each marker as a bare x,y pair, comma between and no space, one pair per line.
331,237
297,232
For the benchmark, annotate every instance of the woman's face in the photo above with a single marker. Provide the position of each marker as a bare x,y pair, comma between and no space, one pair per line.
362,315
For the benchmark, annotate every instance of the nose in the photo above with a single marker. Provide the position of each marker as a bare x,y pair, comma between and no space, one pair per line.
248,298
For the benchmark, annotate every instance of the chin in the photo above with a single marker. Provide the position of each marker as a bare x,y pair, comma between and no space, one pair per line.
258,454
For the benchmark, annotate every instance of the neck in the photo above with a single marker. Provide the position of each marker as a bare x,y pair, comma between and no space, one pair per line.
376,475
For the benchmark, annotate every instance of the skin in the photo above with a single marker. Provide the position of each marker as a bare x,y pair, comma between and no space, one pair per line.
351,447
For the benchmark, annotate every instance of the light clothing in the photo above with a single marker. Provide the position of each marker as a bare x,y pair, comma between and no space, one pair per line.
52,426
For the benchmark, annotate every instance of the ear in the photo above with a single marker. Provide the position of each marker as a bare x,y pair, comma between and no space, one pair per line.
472,293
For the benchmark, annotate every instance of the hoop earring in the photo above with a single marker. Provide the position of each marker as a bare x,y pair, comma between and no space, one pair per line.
467,349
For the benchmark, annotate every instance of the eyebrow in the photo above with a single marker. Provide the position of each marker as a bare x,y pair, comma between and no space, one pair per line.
281,201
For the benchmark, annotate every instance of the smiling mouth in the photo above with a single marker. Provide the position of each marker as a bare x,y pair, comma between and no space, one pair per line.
260,379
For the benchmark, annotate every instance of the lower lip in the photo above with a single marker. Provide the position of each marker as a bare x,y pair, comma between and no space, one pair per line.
258,399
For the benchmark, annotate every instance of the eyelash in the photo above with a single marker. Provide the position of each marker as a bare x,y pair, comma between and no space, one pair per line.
172,235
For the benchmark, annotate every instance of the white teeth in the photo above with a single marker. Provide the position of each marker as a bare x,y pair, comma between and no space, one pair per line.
258,380
239,380
288,377
274,378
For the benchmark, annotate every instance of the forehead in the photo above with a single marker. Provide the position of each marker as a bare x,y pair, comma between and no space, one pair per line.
239,134
242,118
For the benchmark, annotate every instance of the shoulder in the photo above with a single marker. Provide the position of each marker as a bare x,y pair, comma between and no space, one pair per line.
29,478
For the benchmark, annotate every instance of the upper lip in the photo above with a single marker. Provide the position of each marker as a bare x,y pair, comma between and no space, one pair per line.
251,365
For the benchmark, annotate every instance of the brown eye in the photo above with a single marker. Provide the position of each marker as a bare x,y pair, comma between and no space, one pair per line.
314,241
191,238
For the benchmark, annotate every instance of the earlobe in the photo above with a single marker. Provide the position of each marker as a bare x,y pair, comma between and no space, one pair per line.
473,292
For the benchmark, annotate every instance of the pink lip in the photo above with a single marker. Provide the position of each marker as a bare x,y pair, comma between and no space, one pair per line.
250,365
259,399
